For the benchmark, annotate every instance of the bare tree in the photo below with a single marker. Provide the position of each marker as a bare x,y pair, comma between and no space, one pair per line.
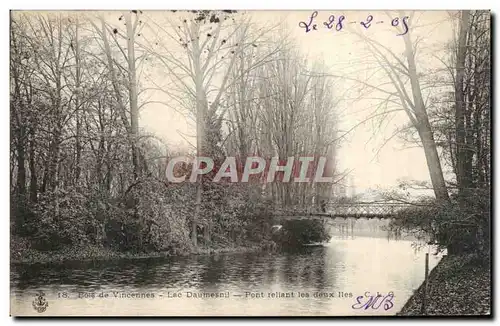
407,93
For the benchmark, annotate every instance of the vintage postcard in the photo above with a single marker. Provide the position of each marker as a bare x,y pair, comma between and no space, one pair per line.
250,163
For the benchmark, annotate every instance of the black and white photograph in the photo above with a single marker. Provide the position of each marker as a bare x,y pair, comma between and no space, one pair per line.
222,163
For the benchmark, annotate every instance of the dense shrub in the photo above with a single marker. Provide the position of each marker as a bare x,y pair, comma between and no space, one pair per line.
60,219
154,216
460,226
301,232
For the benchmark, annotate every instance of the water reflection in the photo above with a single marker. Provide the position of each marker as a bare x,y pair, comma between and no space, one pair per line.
352,264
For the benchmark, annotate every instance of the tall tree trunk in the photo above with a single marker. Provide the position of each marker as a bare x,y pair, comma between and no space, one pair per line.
424,127
17,110
200,133
77,105
134,112
21,159
114,78
460,105
33,172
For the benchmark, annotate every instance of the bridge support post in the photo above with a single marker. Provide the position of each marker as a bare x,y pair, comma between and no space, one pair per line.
424,295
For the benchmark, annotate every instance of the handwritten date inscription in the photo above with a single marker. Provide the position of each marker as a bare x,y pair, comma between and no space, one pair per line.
339,22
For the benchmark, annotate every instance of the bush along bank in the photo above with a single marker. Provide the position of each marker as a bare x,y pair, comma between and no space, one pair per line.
459,285
21,253
293,234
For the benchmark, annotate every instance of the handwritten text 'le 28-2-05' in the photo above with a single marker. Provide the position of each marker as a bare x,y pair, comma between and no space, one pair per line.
339,22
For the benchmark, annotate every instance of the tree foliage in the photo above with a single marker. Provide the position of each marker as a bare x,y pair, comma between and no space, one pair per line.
84,173
460,114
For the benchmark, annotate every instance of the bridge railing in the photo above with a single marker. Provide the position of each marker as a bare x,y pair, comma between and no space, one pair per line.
364,208
347,209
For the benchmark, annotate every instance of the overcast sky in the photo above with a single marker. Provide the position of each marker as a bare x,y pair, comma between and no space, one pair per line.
346,54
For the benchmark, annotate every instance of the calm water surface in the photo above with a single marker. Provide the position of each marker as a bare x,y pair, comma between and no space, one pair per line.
345,268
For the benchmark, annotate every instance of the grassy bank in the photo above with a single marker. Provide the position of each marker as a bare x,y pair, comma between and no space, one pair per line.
458,285
21,253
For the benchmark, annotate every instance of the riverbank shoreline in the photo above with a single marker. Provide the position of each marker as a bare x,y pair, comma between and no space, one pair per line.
457,286
32,256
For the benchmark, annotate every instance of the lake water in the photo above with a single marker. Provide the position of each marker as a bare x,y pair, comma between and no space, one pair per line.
329,278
